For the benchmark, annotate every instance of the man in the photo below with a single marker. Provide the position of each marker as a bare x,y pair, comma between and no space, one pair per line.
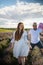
33,36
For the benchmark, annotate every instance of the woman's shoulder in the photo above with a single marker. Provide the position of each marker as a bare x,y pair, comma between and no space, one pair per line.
25,32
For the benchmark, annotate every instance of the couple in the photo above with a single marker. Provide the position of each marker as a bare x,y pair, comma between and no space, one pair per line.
21,42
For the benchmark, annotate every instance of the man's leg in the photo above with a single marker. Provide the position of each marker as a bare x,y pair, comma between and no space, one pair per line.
33,45
39,45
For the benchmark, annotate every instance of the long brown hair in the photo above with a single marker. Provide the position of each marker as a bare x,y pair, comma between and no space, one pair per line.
17,34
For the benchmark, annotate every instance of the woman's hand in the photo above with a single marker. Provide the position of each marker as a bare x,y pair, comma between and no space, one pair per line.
30,47
7,49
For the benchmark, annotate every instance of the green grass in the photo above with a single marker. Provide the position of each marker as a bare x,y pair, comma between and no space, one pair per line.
6,30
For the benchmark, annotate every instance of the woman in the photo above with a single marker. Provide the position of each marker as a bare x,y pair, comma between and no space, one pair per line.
20,44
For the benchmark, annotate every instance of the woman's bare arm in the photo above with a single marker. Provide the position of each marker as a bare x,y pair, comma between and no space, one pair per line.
10,47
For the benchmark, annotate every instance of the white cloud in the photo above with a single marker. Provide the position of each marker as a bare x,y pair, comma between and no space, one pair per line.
25,12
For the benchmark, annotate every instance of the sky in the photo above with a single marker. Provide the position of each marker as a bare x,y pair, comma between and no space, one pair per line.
14,11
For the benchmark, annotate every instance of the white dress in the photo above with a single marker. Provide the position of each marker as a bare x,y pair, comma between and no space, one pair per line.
21,47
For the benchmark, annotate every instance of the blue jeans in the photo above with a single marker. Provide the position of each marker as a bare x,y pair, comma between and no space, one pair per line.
37,44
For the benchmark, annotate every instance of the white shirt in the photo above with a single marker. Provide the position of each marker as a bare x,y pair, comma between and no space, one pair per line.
35,35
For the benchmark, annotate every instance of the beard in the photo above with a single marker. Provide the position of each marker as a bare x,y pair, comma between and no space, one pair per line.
35,28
